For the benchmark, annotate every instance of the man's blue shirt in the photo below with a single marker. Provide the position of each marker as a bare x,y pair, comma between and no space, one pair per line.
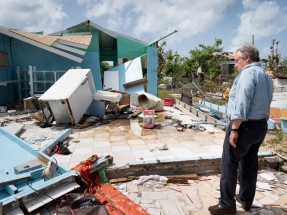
251,94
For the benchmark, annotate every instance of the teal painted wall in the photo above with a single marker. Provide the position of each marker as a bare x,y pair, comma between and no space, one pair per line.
94,45
6,92
129,48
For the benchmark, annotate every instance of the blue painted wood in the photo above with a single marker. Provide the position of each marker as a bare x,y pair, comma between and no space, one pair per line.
128,72
15,152
152,70
52,143
11,189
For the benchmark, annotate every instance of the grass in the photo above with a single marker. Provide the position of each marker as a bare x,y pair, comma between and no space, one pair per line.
276,141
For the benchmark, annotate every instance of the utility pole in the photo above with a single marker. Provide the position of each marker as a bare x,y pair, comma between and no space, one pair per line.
252,39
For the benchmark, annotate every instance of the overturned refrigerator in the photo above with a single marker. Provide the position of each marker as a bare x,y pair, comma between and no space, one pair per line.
70,96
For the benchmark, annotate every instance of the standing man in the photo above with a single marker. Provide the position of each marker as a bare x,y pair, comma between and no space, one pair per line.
248,107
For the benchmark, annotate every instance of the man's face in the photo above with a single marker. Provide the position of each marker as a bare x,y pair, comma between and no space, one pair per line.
240,62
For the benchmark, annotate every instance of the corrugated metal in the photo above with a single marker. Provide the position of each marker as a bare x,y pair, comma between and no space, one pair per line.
25,54
152,70
130,71
6,92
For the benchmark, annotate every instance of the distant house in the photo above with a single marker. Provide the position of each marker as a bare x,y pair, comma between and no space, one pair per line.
84,45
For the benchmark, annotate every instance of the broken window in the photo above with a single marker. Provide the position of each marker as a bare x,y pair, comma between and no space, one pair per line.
4,59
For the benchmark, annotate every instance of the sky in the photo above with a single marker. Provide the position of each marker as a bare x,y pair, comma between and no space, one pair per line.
197,22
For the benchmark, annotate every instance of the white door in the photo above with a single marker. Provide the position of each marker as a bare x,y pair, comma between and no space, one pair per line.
111,80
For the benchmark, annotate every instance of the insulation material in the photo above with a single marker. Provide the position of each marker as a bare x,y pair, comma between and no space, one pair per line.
107,96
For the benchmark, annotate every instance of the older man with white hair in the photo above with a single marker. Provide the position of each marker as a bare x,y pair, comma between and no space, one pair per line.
248,106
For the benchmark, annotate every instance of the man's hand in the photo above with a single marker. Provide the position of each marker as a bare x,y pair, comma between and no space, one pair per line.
233,138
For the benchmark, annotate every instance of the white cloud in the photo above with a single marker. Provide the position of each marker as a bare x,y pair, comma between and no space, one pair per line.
157,18
32,15
261,19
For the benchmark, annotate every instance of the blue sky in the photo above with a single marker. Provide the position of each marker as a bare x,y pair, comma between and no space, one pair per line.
197,22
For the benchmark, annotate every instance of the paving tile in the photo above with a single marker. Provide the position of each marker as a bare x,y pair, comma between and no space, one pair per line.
139,147
153,142
182,152
100,144
102,149
146,158
86,140
190,143
80,157
144,189
123,154
102,134
72,164
120,162
136,142
132,196
214,148
62,158
279,211
117,138
143,153
265,211
168,140
137,200
267,193
165,157
151,195
175,145
267,200
154,211
83,151
101,139
120,148
88,135
119,143
282,201
207,199
84,145
169,207
147,201
258,195
132,188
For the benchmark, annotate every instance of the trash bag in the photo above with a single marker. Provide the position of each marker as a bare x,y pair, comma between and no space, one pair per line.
115,202
80,204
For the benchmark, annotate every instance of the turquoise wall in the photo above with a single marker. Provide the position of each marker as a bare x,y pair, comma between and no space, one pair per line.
6,92
129,48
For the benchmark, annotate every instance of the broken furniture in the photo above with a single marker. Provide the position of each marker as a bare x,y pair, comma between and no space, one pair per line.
70,96
22,171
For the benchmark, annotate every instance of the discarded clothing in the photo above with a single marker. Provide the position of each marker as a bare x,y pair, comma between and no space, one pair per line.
155,181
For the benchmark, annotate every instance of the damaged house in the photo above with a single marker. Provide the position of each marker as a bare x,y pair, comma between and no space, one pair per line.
30,63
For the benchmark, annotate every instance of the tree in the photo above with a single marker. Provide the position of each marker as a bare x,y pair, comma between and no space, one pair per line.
206,58
169,63
104,67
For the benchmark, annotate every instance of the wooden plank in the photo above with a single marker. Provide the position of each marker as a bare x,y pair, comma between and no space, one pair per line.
171,178
283,112
68,48
72,44
275,112
11,189
40,45
134,83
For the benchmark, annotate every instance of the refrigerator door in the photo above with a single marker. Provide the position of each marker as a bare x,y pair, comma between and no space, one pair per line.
80,99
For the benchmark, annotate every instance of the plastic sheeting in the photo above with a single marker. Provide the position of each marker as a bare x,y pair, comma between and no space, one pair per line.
115,202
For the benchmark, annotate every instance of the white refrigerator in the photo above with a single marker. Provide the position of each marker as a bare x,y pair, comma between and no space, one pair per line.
70,96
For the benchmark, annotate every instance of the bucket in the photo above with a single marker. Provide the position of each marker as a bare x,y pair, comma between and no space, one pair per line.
3,109
148,118
148,101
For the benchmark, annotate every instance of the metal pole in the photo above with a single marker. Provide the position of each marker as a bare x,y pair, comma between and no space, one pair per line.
252,39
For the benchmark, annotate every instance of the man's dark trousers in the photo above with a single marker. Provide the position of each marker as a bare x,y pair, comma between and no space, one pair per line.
242,158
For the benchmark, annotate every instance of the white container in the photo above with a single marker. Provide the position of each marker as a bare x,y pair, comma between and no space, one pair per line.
3,109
